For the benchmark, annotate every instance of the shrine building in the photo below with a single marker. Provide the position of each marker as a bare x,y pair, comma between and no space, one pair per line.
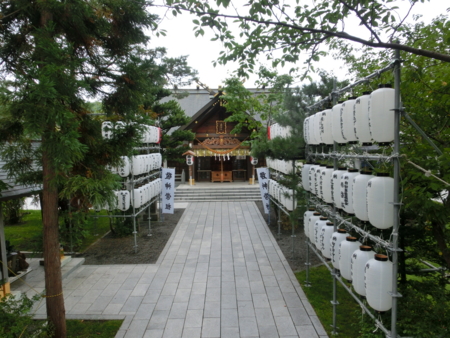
219,155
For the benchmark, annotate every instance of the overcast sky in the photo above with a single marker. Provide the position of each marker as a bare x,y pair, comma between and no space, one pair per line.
180,40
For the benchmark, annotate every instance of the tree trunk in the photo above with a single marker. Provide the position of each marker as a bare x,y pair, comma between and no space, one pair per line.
56,312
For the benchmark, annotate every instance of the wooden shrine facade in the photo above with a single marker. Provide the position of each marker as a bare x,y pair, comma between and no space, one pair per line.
219,155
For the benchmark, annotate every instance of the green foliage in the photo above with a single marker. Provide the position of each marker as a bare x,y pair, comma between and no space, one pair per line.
283,32
12,210
16,320
350,321
92,328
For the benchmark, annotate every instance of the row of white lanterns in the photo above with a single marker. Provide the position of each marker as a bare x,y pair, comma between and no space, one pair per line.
283,195
276,130
370,273
125,199
138,165
150,134
367,118
368,197
286,167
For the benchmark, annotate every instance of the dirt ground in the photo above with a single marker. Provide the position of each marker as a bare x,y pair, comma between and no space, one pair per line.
112,250
120,250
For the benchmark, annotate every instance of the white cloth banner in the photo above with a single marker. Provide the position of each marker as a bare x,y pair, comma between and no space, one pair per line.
263,179
168,190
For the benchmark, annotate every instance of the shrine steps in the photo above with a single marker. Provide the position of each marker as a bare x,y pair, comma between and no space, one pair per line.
220,193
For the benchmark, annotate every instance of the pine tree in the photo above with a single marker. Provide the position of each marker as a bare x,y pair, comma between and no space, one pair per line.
54,55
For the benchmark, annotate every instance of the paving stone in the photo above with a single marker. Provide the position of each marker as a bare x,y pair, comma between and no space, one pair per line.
248,327
174,328
211,327
212,310
194,318
192,332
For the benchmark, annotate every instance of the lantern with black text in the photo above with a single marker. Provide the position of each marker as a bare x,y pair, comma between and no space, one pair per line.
325,127
317,230
347,190
360,195
336,177
306,217
325,236
335,243
359,260
347,126
189,159
312,220
253,160
336,124
346,251
305,176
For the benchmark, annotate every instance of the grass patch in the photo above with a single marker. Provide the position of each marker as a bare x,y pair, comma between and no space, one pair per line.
27,236
92,328
320,295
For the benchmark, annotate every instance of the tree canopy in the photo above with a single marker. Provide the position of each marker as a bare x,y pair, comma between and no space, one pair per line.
54,56
284,31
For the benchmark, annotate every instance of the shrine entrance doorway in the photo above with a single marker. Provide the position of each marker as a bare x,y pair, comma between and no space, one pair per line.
222,168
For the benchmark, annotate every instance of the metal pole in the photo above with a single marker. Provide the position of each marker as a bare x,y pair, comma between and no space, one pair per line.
335,272
396,225
293,210
149,219
308,263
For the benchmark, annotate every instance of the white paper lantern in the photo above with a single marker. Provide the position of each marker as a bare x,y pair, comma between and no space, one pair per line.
322,221
345,255
359,259
305,176
308,213
123,200
305,131
381,114
317,177
335,244
325,184
312,178
336,124
125,169
158,161
347,126
347,191
311,222
316,128
360,194
137,200
378,283
336,186
325,237
107,130
312,133
380,197
325,127
361,119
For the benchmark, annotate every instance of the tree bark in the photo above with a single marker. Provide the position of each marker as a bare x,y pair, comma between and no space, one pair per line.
56,312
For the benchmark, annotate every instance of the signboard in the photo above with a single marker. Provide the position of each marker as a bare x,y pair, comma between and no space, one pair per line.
168,190
263,179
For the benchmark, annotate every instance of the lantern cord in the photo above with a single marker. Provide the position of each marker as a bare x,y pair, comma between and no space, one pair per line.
427,172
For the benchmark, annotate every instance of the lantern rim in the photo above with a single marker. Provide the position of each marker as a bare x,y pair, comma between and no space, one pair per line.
381,257
365,248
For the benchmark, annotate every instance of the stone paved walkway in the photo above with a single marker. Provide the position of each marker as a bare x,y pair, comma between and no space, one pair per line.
220,275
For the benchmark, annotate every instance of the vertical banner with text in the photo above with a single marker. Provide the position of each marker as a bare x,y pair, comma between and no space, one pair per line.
263,179
168,190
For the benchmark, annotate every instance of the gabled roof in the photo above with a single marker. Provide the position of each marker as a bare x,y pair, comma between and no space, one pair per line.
15,190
